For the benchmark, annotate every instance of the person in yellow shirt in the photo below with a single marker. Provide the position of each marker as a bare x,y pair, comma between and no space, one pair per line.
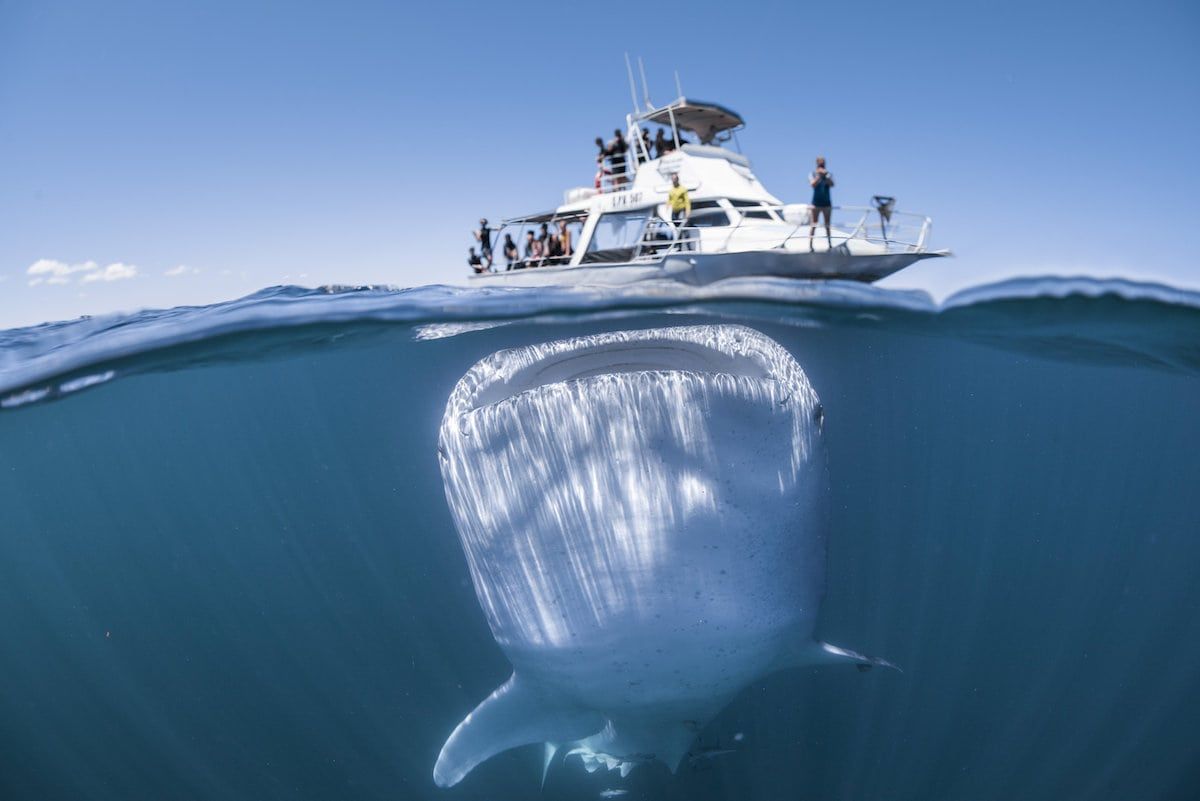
681,204
681,211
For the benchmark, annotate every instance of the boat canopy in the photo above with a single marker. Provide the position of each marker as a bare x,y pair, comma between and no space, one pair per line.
705,120
545,217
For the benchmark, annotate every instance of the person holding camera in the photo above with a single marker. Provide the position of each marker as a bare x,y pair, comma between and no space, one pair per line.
821,181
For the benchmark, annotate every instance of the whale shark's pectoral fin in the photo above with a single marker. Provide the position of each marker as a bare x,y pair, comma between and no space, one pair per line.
515,714
836,655
822,653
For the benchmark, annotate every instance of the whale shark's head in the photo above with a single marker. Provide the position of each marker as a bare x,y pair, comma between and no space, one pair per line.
583,473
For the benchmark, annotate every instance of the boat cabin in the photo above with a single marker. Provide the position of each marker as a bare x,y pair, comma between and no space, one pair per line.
608,222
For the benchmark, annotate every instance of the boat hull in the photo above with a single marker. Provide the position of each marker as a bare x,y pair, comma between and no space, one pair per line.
697,269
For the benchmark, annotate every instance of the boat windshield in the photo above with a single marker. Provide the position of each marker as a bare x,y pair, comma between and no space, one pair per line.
616,236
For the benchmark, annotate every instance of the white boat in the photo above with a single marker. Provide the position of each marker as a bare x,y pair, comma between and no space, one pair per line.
621,229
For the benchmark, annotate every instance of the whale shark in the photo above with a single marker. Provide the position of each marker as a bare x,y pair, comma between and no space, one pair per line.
643,515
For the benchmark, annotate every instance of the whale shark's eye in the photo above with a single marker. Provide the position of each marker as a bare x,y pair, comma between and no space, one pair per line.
819,415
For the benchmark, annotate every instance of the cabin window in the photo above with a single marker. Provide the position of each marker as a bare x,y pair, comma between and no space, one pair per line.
709,218
753,209
616,236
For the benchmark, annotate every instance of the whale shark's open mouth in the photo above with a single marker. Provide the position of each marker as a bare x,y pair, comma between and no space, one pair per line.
716,350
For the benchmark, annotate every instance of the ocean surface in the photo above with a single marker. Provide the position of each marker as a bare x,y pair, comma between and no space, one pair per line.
228,569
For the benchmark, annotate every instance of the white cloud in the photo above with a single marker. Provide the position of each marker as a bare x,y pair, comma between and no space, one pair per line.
113,272
181,269
52,271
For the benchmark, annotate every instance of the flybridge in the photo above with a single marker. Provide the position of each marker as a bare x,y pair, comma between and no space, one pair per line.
708,121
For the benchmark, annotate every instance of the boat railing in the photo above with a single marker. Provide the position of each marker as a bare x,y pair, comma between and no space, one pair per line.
617,176
770,227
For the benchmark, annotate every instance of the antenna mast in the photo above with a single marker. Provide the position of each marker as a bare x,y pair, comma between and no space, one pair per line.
645,86
678,86
632,85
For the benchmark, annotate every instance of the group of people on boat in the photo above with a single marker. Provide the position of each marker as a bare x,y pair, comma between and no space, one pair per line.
543,248
612,160
546,247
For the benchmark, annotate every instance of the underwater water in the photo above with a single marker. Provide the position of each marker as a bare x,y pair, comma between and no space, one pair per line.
229,569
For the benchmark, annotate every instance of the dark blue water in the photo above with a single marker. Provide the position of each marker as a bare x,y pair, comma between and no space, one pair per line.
227,570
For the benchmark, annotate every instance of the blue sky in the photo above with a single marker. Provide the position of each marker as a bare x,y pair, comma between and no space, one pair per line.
156,154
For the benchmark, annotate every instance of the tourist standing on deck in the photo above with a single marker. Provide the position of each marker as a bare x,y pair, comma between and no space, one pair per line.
661,147
602,172
484,237
533,250
617,149
553,246
564,237
821,181
474,262
510,252
681,209
681,204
